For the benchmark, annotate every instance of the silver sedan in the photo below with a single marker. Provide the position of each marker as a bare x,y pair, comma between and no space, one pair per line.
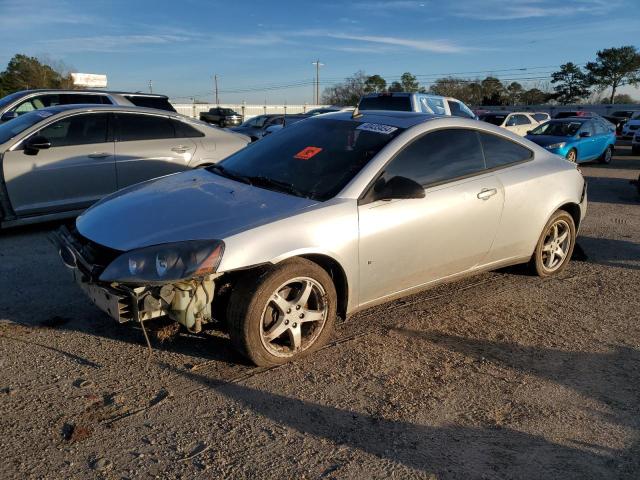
329,216
57,161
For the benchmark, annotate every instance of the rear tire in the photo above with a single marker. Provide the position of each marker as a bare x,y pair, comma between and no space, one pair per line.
555,245
283,314
606,155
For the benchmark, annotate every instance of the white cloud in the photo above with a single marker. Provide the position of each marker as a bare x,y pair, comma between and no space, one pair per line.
522,9
436,46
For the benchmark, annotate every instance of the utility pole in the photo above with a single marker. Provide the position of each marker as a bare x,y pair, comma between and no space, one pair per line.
215,83
317,93
150,86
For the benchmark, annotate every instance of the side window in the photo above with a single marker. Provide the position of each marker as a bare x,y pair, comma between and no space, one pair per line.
77,130
437,105
144,127
540,117
600,128
518,120
588,127
24,107
439,156
499,151
184,130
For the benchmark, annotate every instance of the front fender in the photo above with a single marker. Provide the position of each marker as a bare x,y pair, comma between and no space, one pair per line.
329,229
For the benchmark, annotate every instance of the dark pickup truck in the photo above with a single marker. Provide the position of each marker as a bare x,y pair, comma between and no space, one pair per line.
223,117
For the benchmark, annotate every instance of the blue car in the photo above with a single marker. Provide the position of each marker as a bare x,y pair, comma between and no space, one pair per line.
577,139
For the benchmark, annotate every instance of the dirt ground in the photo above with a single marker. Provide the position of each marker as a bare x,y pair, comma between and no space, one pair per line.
502,375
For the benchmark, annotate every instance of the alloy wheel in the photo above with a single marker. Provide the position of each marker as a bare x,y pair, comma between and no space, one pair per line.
294,317
571,156
557,243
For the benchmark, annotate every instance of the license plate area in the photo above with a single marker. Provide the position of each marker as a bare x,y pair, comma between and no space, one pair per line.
116,306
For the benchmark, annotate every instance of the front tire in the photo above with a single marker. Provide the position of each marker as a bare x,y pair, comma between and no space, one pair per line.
606,155
572,155
285,313
555,245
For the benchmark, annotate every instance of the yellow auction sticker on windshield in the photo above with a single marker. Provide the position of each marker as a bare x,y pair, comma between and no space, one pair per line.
377,128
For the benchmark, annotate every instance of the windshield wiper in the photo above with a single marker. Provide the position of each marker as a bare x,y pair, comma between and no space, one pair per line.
278,184
219,169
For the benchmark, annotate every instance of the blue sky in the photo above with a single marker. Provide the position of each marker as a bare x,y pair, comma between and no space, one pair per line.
256,44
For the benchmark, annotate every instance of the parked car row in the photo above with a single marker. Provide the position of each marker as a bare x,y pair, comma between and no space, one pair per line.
327,214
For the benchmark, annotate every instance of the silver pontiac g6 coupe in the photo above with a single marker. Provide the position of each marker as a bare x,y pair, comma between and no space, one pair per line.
329,216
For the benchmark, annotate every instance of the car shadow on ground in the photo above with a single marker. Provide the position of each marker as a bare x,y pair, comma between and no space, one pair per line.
612,190
608,252
455,451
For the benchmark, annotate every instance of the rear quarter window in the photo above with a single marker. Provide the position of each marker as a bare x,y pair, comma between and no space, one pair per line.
499,152
160,103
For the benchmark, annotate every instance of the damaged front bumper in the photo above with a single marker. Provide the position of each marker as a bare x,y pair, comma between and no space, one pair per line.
187,301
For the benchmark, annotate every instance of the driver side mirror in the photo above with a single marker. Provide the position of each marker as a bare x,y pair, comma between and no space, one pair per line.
36,143
397,188
6,116
585,134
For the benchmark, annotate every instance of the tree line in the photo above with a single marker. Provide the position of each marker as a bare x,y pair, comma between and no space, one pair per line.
24,72
612,69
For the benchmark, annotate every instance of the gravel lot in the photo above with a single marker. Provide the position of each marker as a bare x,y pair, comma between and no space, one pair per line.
502,375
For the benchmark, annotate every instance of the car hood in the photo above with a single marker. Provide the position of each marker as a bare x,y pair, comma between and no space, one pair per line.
193,205
544,140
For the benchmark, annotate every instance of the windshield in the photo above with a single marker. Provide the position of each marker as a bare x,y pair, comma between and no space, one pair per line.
493,118
313,159
227,111
557,129
18,125
4,101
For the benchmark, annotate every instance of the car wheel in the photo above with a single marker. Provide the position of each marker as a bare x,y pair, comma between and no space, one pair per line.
287,312
572,155
555,246
606,155
221,124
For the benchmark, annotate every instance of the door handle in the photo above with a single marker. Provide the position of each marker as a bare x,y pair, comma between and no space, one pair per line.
99,155
487,193
181,148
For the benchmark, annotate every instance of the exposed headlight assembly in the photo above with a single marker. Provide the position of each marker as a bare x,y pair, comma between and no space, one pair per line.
168,262
553,146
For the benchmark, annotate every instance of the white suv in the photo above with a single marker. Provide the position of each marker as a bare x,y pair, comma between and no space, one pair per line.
415,102
26,101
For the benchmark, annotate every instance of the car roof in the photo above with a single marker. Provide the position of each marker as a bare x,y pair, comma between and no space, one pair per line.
90,107
402,94
386,117
114,92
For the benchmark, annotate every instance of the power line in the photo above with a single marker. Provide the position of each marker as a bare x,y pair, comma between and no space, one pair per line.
517,74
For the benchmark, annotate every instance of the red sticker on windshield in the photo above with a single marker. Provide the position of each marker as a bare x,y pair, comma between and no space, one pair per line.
307,152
